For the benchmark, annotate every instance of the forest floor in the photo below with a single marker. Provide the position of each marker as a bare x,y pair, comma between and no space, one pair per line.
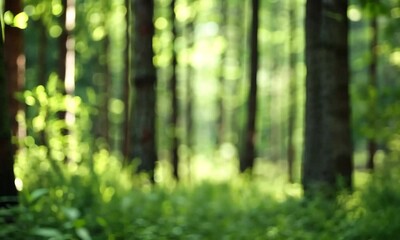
105,202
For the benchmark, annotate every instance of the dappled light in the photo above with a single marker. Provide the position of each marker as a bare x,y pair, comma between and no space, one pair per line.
199,119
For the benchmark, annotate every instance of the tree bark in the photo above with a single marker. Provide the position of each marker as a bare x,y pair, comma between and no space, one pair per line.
8,192
248,151
190,95
372,70
313,115
174,99
66,72
12,66
144,79
221,126
327,164
14,60
236,44
105,93
42,53
127,61
291,149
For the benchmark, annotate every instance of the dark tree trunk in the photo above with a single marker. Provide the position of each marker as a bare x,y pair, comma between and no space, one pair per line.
248,151
8,192
14,60
174,99
144,79
125,128
42,53
42,66
105,93
372,69
327,162
372,148
313,115
12,66
291,149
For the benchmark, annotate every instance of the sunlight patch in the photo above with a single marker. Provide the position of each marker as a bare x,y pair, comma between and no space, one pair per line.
55,31
395,58
98,33
19,184
107,193
161,23
354,14
21,20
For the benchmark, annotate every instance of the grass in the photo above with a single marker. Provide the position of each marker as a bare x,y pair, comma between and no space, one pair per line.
105,202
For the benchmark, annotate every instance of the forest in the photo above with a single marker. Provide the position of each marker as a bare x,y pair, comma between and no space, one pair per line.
199,119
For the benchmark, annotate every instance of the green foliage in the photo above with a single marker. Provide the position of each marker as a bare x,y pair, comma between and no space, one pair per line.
103,201
94,197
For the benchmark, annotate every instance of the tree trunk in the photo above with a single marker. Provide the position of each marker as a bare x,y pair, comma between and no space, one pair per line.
42,66
125,132
8,192
105,93
42,53
174,99
143,144
327,162
237,46
291,149
221,128
12,57
248,151
190,132
372,70
66,71
14,60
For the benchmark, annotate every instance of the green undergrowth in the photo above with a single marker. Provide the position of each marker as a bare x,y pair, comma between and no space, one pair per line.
103,201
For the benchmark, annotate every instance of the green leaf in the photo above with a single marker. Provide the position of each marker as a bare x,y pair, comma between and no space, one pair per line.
83,234
47,232
37,194
71,213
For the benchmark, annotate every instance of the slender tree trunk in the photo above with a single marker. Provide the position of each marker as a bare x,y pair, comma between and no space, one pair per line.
12,67
69,68
125,132
42,54
15,68
190,132
372,145
8,192
291,149
62,41
144,79
67,65
221,128
174,99
248,151
106,93
328,162
238,42
42,66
